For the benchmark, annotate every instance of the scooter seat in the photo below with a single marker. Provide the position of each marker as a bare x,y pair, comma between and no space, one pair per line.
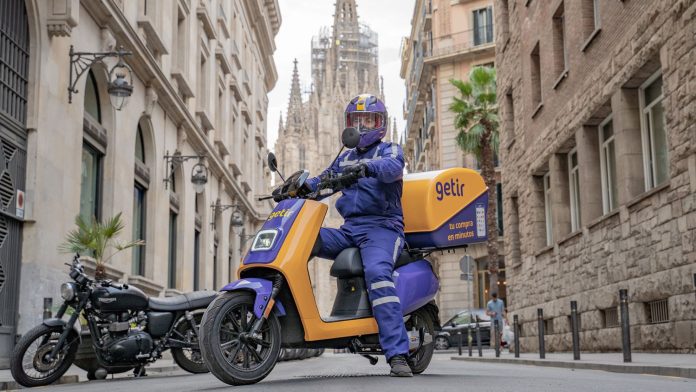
348,263
194,300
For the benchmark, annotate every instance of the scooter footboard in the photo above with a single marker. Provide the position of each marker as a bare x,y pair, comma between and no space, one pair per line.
262,289
416,285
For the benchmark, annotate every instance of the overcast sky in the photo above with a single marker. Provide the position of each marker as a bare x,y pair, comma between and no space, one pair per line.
302,19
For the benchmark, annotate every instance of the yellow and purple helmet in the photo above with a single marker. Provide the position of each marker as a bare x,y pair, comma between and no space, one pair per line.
368,115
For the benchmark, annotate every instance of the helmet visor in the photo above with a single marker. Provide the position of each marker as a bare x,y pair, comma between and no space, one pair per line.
364,121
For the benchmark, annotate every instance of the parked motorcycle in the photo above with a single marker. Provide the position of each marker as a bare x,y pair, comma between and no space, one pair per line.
273,305
127,330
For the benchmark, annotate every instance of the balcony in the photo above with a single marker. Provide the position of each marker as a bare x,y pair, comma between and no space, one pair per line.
234,52
461,44
245,82
221,56
204,15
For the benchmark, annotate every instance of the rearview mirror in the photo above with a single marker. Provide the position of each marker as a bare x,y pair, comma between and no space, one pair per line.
350,137
272,162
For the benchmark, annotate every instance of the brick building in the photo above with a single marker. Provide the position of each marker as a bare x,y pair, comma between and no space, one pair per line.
598,109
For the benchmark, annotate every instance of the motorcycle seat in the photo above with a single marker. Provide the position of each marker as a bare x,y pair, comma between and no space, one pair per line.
188,301
348,263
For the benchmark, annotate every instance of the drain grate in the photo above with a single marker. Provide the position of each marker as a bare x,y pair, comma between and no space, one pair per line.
353,375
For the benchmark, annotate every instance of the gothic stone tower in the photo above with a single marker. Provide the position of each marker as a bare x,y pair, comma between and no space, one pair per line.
344,64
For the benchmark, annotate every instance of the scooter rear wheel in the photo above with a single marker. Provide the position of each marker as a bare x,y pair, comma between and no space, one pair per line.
232,355
420,360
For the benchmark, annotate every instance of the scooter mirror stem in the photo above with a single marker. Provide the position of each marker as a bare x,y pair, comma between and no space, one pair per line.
337,155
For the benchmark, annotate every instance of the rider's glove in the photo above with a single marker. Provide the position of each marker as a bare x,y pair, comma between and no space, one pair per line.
360,169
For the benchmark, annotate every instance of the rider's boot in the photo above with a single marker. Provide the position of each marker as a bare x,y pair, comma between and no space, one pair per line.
399,367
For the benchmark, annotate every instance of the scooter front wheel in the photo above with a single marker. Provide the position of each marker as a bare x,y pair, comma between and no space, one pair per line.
231,352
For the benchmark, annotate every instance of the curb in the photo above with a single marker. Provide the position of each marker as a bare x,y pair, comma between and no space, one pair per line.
633,369
13,385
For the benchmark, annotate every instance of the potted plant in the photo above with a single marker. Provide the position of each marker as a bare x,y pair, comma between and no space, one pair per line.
98,240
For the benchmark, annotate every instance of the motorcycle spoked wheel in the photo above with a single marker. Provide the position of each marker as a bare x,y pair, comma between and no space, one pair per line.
189,359
29,365
420,359
231,354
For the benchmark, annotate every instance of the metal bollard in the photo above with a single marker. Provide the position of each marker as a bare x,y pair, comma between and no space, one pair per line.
540,320
496,328
469,338
47,305
478,339
516,327
575,329
625,326
459,339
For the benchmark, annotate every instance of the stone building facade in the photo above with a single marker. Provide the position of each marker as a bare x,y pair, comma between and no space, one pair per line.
598,101
447,40
201,70
344,64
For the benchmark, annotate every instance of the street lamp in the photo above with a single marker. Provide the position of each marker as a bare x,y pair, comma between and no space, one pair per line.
120,85
218,208
199,173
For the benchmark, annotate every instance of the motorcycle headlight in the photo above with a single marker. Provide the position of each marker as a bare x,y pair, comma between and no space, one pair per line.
264,240
67,291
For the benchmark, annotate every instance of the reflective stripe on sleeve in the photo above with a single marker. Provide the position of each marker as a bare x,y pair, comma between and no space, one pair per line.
385,300
379,285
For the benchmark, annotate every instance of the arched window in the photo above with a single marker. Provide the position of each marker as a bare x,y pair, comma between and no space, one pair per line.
92,106
139,146
139,203
92,154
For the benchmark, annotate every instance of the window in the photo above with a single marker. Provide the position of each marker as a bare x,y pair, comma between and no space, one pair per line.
574,187
560,56
590,19
92,105
139,192
181,40
139,146
607,159
655,148
303,164
139,205
547,209
535,79
499,206
483,26
509,117
505,19
90,187
172,249
196,258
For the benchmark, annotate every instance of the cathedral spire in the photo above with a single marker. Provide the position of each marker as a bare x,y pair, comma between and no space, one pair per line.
280,123
295,104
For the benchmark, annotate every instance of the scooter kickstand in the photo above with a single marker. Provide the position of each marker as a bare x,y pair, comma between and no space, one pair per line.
373,359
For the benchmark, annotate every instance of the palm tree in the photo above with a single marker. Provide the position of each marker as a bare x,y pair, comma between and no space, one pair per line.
95,239
476,118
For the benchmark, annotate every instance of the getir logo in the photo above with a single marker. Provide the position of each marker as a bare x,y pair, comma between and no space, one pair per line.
451,188
280,213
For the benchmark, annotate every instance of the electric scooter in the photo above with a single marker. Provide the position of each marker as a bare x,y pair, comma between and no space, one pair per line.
272,305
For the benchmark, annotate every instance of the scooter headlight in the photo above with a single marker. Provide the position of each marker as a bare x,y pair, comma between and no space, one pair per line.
67,291
264,240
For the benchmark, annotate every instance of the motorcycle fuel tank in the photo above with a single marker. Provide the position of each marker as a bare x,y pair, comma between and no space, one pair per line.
110,299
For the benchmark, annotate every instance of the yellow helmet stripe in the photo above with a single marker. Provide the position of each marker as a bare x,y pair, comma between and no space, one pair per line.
361,101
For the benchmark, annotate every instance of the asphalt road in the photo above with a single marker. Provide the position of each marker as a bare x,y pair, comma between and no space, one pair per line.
349,372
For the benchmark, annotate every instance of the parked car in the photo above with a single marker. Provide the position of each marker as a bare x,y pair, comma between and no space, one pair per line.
447,336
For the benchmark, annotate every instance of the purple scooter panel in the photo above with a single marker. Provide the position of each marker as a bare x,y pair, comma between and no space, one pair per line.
416,285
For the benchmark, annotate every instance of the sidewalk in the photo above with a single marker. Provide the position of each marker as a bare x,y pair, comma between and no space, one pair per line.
673,365
75,374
